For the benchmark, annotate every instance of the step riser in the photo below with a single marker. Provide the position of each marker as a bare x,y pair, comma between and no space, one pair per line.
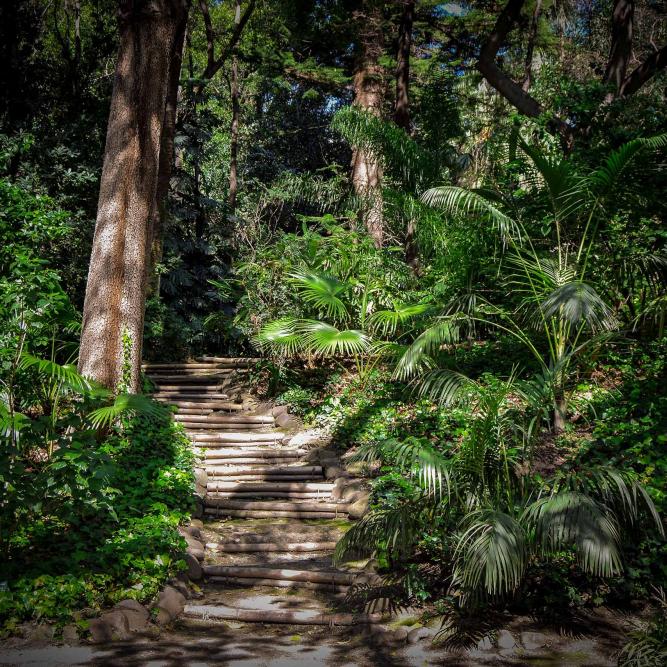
243,437
196,427
299,487
315,576
261,478
252,452
257,514
241,420
259,547
278,583
272,472
268,494
280,506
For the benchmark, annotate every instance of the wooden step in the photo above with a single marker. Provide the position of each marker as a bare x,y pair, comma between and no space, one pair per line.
241,436
186,379
258,475
171,390
264,470
197,402
323,506
260,547
278,583
273,453
240,362
314,487
316,576
271,514
211,614
231,419
253,495
201,426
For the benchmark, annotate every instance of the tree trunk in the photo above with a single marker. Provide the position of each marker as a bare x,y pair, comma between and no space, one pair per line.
166,155
113,314
530,48
402,105
234,130
368,94
621,44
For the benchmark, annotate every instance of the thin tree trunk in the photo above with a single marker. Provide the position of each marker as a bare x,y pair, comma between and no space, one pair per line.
113,314
402,104
530,49
368,94
234,130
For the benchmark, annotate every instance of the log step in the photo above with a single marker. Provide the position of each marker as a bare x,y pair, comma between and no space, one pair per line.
187,379
256,547
212,426
260,476
286,574
278,583
241,362
323,487
212,403
250,495
242,437
271,514
285,471
229,453
230,419
213,614
322,506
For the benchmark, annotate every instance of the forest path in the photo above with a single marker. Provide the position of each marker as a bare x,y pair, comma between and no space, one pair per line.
272,519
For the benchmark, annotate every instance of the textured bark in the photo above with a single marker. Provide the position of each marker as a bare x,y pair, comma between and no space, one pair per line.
368,95
116,289
402,105
621,43
166,151
234,129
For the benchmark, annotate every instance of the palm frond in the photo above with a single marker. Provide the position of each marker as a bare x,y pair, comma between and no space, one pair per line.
491,553
322,291
578,303
571,519
419,355
325,339
459,201
126,404
444,385
605,177
397,528
66,374
388,321
280,335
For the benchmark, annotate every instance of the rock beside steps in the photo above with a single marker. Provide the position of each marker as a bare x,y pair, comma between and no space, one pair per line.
251,473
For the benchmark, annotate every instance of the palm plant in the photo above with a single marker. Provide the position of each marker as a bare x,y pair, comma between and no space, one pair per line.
549,275
498,520
354,328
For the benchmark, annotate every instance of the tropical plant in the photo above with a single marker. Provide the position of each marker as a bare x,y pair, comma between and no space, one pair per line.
354,328
497,519
648,645
548,274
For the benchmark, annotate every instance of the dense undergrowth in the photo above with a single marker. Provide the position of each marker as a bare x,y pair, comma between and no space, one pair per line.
99,526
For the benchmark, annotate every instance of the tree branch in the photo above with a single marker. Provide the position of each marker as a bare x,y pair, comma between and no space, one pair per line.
210,35
656,62
506,86
214,66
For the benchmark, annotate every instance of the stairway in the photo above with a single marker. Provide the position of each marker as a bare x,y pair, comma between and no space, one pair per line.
271,517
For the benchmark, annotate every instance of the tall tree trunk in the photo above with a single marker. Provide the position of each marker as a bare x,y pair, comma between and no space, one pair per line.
402,104
234,129
622,18
113,314
368,95
402,110
167,156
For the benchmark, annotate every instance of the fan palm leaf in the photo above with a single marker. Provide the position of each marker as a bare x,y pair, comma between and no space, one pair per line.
324,339
322,292
418,356
126,404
